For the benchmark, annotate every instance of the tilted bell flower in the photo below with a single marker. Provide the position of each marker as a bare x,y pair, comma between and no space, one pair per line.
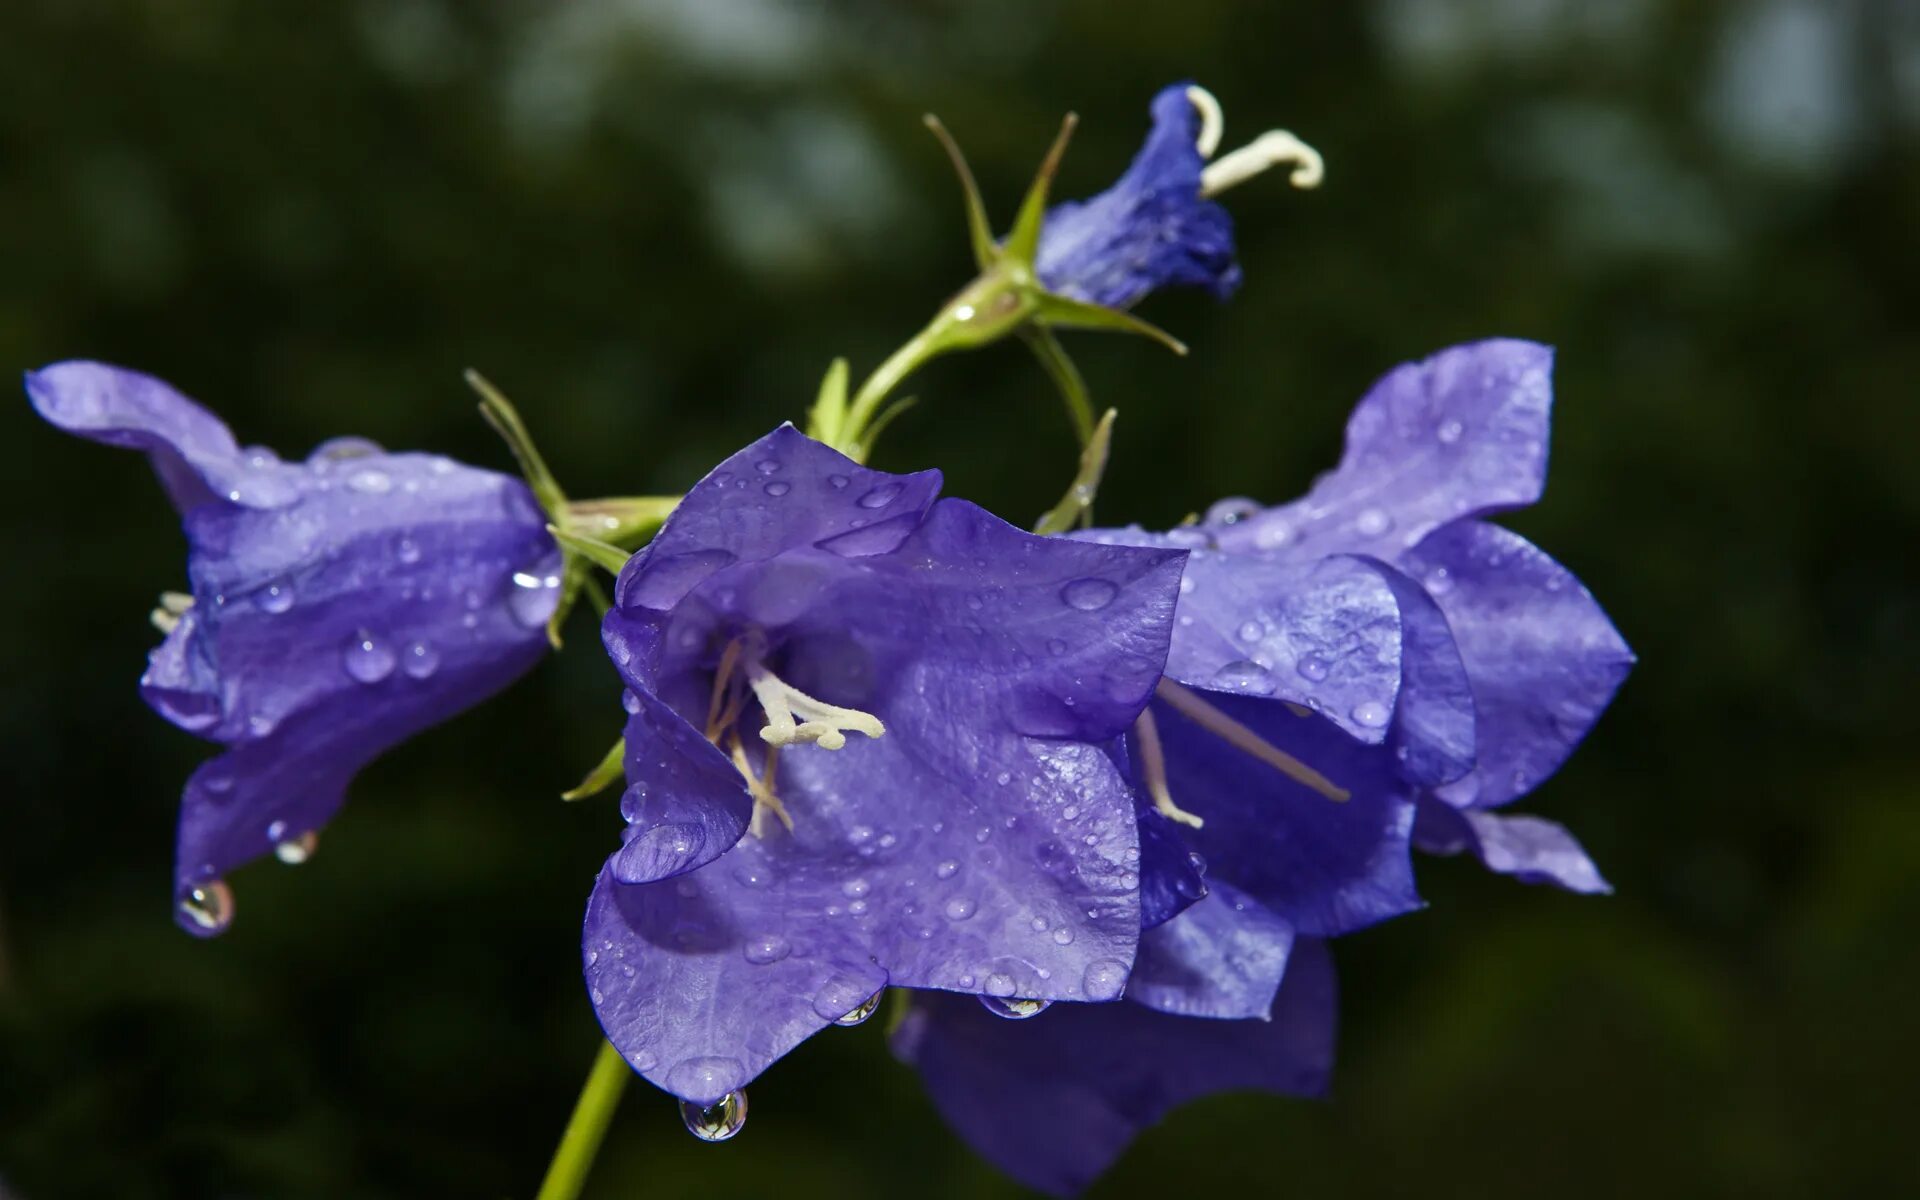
873,740
337,606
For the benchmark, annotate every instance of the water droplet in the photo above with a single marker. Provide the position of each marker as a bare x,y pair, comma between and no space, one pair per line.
209,906
408,551
1312,666
630,700
765,948
368,658
879,497
420,660
1186,585
777,488
1370,713
260,724
1439,581
1003,778
1056,647
856,888
1063,936
845,1000
1069,812
719,1121
766,466
370,481
295,851
1231,511
1012,1008
535,595
960,908
947,869
837,481
1244,676
1105,979
1373,522
1450,431
1038,924
1089,595
276,598
867,1008
1250,631
1272,535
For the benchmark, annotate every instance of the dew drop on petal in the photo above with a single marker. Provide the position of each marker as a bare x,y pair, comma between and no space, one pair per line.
1011,1007
947,869
209,905
420,660
276,598
763,948
837,481
880,496
777,488
1373,522
1450,431
1089,595
1063,936
535,595
1250,631
1105,979
856,888
1369,713
1243,676
370,481
960,908
1312,667
369,659
1272,535
716,1122
860,1015
767,466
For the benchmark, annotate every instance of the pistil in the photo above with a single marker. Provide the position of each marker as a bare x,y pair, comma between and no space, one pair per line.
173,606
1274,148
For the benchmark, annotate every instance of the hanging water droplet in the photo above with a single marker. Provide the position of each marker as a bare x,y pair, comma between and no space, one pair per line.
368,658
295,851
209,906
420,660
764,948
1013,1008
879,497
1312,667
777,488
1370,713
276,598
535,595
1089,595
1105,979
1373,522
716,1122
867,1008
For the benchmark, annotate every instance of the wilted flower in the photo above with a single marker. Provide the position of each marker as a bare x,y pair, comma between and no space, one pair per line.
337,606
872,741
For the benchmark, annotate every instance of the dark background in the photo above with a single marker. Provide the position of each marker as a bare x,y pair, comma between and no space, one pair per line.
654,223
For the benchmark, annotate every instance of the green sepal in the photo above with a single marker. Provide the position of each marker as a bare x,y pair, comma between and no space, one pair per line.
607,772
505,419
828,417
608,557
1023,240
1076,506
979,231
1065,376
624,521
1067,313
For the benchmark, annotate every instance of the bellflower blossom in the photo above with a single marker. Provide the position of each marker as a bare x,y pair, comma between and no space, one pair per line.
338,606
1432,448
1156,226
872,741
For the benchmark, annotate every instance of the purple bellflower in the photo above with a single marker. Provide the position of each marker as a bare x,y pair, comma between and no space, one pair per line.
1157,226
1432,449
873,740
338,606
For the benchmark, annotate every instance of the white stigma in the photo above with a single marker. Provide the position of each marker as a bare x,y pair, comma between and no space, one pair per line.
1241,738
1275,147
173,605
1213,121
825,725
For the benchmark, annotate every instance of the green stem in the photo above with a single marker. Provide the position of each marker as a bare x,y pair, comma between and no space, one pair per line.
879,385
587,1127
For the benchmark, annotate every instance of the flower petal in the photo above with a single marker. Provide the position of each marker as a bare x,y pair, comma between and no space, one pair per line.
1543,658
1150,230
1172,876
685,803
192,451
1433,723
1325,867
1459,434
1222,958
1055,1099
1531,849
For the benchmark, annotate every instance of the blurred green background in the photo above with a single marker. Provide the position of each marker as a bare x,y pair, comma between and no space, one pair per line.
654,221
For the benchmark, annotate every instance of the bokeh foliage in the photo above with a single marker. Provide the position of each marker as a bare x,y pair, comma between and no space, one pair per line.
654,221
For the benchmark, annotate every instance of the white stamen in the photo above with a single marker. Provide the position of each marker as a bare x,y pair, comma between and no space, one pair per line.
1213,121
173,605
1241,738
1153,765
1271,149
823,724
